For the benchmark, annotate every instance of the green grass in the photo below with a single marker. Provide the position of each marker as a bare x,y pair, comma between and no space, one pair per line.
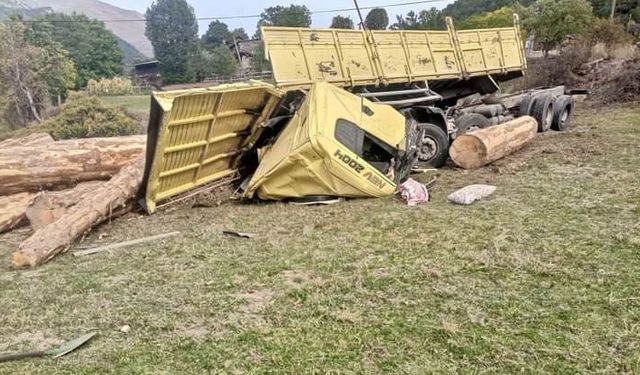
132,103
542,277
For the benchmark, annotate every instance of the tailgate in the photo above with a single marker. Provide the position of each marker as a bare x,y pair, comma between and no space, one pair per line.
197,136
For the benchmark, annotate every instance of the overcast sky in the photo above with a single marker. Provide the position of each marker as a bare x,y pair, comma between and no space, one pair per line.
209,8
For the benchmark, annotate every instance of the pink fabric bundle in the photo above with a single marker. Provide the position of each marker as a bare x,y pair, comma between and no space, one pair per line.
413,192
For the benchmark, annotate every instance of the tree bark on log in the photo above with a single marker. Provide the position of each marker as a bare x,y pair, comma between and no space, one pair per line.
49,206
57,236
65,163
483,146
29,140
13,210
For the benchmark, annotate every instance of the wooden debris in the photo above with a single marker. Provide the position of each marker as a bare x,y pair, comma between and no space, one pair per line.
481,147
49,206
57,236
65,163
118,245
13,210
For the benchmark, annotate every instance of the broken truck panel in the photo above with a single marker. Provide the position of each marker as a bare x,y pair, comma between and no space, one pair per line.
336,144
348,58
197,136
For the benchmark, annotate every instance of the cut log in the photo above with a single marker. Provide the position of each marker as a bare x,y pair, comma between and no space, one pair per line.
49,206
30,140
57,236
483,146
65,163
13,210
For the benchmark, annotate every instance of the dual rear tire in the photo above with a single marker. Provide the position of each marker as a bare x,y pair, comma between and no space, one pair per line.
549,112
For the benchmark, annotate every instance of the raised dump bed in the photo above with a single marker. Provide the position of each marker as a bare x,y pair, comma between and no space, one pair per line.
301,56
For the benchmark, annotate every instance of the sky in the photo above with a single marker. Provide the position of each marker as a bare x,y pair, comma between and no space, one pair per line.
208,8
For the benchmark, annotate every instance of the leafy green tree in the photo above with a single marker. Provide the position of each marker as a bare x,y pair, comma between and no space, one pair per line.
223,62
259,62
173,31
342,22
239,34
431,19
502,17
93,49
553,20
217,33
460,10
377,19
30,74
291,16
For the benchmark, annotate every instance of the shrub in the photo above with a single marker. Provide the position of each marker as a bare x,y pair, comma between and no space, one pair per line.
607,32
110,86
84,116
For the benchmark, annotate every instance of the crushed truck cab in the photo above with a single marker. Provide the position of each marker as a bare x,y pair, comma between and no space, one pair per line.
336,144
333,143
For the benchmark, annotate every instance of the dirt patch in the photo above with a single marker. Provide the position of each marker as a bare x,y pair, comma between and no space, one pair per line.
256,300
32,340
611,80
297,278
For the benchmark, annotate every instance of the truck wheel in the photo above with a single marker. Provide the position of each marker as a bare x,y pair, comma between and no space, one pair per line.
470,122
563,108
526,105
543,112
433,149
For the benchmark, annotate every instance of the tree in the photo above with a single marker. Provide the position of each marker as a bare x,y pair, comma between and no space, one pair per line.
217,33
259,62
223,62
553,20
377,19
502,17
30,75
93,49
341,22
239,34
431,19
460,10
173,31
291,16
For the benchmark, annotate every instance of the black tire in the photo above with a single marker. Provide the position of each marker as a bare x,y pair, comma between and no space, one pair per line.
543,112
470,121
562,111
433,147
526,105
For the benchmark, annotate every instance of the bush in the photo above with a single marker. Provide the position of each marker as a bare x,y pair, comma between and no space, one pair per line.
110,86
84,116
607,32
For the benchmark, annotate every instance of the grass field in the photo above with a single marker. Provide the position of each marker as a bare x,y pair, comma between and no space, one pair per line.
542,277
132,103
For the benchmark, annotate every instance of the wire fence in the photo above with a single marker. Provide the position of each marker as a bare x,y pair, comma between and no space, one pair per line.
220,79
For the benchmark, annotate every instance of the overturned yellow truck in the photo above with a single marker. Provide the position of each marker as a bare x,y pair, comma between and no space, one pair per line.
350,113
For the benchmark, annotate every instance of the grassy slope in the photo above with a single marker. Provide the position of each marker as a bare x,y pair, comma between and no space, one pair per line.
132,103
542,277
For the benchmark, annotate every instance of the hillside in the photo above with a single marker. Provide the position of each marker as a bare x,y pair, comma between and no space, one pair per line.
130,32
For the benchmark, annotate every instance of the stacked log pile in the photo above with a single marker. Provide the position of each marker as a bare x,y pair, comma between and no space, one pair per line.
63,188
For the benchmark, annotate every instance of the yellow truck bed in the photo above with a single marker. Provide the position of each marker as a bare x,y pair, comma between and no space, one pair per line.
300,56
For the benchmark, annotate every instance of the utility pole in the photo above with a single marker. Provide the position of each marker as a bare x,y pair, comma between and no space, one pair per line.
355,2
613,9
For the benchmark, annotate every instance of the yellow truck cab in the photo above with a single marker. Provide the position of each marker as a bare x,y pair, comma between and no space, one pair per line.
336,144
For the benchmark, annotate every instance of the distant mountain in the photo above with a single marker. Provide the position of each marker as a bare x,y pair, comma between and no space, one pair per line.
131,33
